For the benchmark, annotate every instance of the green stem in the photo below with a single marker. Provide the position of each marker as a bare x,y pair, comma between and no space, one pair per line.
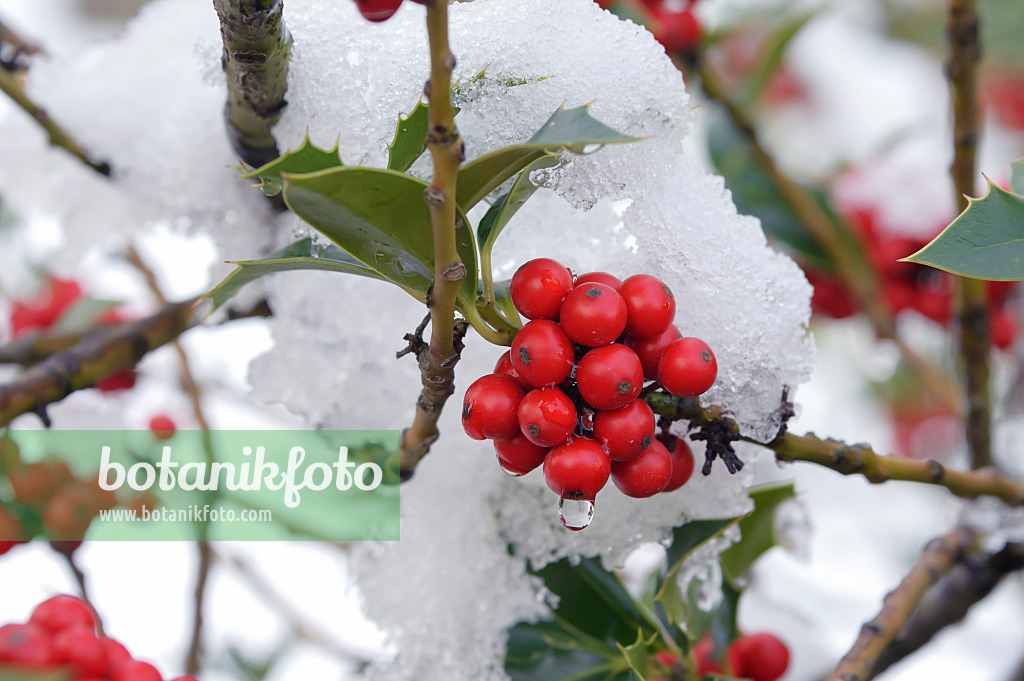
9,85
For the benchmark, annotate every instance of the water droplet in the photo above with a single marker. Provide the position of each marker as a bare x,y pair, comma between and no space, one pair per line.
515,473
575,514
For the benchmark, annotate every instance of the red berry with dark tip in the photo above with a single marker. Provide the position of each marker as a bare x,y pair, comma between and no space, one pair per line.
505,368
682,464
81,650
651,305
162,426
136,670
547,417
645,475
519,456
593,314
761,657
610,377
649,349
490,407
577,469
625,432
599,278
25,645
378,10
538,287
687,367
56,614
542,353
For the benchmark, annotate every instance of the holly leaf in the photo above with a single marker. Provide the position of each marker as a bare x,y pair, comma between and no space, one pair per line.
498,215
537,654
410,139
379,218
573,129
301,255
986,241
308,158
503,300
772,57
685,540
84,313
755,193
1017,176
757,528
638,655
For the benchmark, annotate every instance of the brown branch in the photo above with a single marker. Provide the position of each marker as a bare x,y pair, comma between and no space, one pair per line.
948,601
857,459
14,49
851,265
10,86
257,48
971,294
938,557
447,150
99,353
80,579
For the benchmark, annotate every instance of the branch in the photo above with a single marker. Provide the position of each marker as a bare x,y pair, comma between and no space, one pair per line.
9,85
971,298
447,151
938,557
99,353
946,603
851,265
858,459
257,47
80,579
13,48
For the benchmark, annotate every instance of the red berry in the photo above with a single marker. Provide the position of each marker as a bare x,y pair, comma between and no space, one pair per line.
519,456
610,377
44,311
1002,329
547,417
162,426
645,475
490,406
187,677
649,349
505,368
831,299
6,546
538,287
122,379
82,650
136,670
25,645
677,31
593,314
378,10
542,353
625,432
682,464
577,469
599,278
666,658
703,653
651,305
761,657
59,613
117,654
687,367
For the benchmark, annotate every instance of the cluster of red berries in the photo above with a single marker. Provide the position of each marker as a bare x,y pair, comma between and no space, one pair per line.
565,395
380,10
676,28
48,308
61,635
907,285
761,657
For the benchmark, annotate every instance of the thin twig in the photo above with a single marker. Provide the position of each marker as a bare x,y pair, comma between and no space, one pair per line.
447,151
857,459
83,587
938,557
971,294
257,47
851,265
14,49
9,85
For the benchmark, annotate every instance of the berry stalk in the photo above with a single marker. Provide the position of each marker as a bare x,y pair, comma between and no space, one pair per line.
447,152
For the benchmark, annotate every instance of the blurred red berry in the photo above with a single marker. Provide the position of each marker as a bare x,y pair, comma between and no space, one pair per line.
162,426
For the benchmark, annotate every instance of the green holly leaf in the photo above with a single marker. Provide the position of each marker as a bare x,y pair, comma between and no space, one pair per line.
301,255
685,540
755,193
308,158
986,241
503,300
498,215
84,314
757,529
379,218
638,655
410,139
573,129
771,57
541,652
1017,176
